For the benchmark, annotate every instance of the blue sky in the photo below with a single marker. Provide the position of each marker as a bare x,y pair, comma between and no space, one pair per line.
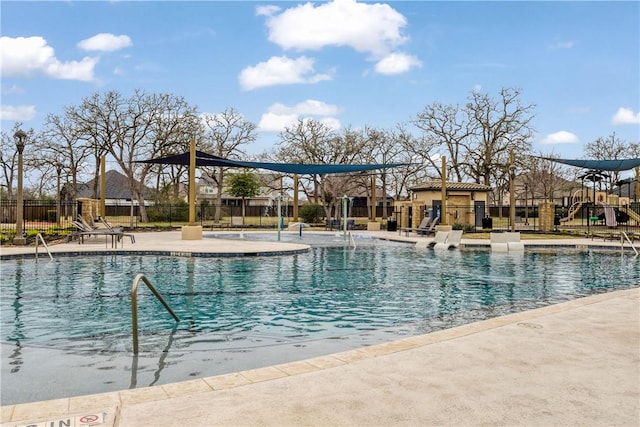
344,62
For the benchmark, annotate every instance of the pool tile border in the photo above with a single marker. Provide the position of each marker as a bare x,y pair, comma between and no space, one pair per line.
185,254
34,412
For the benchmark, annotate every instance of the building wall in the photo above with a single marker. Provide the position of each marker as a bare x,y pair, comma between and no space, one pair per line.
460,207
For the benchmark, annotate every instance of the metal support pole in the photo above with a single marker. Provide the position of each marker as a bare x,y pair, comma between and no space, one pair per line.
345,201
512,196
295,198
279,214
192,183
443,205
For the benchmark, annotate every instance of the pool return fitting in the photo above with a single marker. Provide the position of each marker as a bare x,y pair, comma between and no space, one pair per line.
134,306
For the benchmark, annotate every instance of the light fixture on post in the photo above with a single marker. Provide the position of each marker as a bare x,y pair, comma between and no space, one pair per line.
19,239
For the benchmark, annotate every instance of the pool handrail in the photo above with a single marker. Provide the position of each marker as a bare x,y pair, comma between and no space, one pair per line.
624,236
134,306
39,236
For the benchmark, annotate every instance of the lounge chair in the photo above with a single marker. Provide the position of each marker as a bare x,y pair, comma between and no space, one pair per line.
423,226
109,226
506,242
439,239
452,240
85,230
432,228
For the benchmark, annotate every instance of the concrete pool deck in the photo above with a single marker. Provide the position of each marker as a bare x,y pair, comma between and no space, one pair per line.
574,363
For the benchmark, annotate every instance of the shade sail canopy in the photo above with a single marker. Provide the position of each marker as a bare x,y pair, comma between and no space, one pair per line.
600,165
205,159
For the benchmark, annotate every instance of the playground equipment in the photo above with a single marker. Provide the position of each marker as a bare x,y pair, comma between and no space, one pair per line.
579,198
631,213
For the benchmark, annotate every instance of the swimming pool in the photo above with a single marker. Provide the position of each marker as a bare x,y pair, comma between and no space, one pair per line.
66,324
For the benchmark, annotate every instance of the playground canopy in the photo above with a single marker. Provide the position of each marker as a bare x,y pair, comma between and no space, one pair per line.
600,165
206,159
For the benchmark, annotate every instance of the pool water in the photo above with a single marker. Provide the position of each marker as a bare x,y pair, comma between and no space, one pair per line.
253,311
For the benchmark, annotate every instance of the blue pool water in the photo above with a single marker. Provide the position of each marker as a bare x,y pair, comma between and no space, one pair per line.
73,314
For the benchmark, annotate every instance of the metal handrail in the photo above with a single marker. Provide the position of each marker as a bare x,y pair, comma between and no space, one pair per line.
39,235
352,240
623,236
134,306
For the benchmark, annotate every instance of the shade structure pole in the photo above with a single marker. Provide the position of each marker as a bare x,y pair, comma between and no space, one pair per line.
512,194
295,198
103,186
192,183
279,214
373,197
345,204
443,207
192,231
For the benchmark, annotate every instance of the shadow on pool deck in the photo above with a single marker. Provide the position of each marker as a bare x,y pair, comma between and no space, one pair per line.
575,363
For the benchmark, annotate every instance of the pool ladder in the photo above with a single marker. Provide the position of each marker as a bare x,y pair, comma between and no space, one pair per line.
134,306
624,236
39,236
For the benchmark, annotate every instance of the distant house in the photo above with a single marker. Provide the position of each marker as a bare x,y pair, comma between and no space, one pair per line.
466,203
270,187
118,191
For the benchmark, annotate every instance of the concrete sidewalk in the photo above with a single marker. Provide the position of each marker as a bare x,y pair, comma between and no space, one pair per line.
575,363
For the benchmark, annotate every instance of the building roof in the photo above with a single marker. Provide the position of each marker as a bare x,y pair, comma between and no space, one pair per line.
451,186
116,184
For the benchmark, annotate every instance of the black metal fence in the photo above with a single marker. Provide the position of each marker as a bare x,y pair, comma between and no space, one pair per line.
53,216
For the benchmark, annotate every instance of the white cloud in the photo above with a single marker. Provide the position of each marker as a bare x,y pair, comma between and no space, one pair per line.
279,116
267,10
280,70
562,45
561,137
27,56
626,116
7,90
373,28
397,63
272,122
477,88
105,42
20,113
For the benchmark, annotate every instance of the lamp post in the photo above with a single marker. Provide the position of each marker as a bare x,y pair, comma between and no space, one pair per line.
21,139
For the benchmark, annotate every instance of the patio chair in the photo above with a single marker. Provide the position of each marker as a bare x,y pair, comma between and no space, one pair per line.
432,228
83,229
506,242
109,226
452,240
439,239
424,225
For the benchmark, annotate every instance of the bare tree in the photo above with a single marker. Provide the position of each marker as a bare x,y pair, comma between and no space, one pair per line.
311,141
225,135
135,128
609,148
544,177
497,128
444,130
62,142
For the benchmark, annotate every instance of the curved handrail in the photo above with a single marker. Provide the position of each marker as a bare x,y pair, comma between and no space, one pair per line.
134,306
624,236
39,235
